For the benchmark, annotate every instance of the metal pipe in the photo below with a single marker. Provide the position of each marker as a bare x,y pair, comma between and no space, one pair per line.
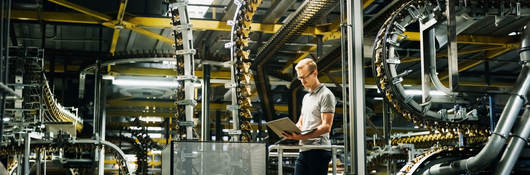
519,137
96,98
524,53
492,123
344,57
205,124
102,101
497,140
516,145
111,146
27,144
11,91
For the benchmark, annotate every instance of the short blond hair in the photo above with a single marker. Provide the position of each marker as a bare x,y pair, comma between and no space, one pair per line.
311,65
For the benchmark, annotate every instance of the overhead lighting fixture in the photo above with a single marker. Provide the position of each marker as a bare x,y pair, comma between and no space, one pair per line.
145,83
155,135
151,119
378,98
107,77
419,92
148,128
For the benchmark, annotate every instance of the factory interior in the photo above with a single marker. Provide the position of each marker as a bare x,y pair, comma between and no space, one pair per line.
192,86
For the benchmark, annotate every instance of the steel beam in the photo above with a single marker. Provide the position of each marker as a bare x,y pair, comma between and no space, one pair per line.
468,64
114,42
427,51
82,9
116,34
121,10
134,27
108,22
158,22
472,39
213,107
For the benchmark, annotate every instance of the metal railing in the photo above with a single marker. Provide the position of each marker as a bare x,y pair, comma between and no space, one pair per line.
280,153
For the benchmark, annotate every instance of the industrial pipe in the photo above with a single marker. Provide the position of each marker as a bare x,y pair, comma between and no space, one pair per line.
498,138
516,145
519,137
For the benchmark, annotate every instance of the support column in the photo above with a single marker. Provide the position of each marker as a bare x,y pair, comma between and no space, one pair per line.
27,140
205,119
354,17
452,47
344,60
319,47
427,51
38,163
218,127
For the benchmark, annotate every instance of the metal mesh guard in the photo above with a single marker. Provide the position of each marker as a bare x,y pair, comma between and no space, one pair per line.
210,158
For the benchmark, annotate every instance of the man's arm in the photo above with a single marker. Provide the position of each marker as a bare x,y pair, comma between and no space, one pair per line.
324,127
299,123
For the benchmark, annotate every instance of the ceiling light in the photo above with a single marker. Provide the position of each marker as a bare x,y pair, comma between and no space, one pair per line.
151,119
378,98
145,83
107,77
155,135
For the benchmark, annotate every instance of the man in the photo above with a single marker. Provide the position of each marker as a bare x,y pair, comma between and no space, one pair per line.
318,108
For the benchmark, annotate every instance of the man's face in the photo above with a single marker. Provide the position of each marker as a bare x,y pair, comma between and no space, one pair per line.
306,76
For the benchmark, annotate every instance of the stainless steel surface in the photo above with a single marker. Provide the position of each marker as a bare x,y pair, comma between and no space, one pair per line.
452,48
344,69
334,161
205,108
218,158
280,161
497,140
280,153
515,146
525,44
356,82
522,131
427,51
27,146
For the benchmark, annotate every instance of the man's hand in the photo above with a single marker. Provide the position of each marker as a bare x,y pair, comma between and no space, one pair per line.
294,136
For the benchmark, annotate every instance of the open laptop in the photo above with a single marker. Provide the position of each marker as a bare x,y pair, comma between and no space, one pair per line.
283,125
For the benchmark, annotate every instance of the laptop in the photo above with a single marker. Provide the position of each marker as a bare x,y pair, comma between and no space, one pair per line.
283,125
